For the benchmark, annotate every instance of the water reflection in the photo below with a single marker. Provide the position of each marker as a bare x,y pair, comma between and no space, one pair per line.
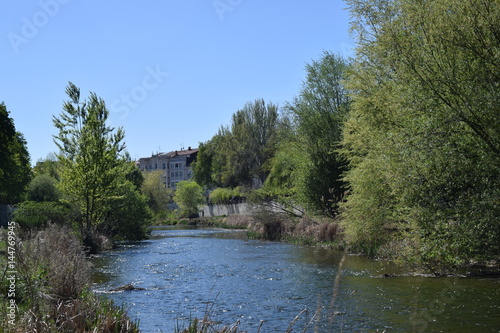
186,271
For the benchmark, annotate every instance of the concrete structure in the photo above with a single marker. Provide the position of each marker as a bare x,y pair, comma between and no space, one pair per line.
175,164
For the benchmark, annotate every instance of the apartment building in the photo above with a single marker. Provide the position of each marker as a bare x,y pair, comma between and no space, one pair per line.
176,165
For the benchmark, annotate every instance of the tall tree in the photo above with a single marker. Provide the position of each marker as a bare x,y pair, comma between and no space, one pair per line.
240,153
320,111
422,139
15,169
89,155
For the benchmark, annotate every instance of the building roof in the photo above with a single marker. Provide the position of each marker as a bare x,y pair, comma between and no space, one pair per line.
175,153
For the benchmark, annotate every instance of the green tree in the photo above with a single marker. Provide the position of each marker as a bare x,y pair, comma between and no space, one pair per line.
130,216
203,173
189,197
15,169
43,188
240,153
48,166
89,156
319,113
422,139
155,189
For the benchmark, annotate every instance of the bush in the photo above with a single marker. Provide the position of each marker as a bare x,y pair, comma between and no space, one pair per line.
54,261
189,196
225,195
32,214
130,216
268,226
43,188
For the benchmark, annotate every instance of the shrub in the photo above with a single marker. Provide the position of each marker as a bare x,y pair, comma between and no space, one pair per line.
226,195
32,214
52,289
43,188
130,216
189,196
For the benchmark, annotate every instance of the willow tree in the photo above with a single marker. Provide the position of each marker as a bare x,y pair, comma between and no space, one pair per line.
423,137
91,169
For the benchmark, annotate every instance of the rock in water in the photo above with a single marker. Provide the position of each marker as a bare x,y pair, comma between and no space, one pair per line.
127,287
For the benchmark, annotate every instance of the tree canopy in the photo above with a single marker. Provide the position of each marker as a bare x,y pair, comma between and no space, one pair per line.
95,174
423,135
238,155
15,168
188,196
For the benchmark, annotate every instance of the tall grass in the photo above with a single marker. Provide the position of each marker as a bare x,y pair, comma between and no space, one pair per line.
52,288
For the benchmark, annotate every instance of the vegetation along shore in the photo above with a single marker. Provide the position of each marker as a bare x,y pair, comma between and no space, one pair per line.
393,153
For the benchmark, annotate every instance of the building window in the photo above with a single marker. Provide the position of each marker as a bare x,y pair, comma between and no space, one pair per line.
164,166
181,174
172,174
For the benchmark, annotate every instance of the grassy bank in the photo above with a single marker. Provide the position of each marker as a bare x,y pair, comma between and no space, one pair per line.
45,286
275,227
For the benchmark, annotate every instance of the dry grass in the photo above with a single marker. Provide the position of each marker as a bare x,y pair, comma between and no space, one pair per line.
272,226
52,288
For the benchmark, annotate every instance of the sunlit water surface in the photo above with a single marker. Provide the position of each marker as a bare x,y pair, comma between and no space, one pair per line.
194,272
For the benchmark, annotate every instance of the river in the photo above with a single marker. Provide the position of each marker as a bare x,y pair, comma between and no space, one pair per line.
188,273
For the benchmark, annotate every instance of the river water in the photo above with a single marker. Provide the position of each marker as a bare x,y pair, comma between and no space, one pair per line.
189,273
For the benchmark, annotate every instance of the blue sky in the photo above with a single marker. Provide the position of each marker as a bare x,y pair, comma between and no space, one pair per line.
171,72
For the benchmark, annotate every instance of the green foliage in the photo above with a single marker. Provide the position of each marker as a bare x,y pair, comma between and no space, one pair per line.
154,188
202,167
94,175
15,169
130,216
225,195
89,154
49,166
307,168
43,188
238,154
421,140
189,196
33,214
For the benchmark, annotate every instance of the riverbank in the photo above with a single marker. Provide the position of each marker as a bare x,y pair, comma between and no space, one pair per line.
327,233
276,227
46,279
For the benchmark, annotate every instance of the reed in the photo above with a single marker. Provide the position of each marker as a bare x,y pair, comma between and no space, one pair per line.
52,289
